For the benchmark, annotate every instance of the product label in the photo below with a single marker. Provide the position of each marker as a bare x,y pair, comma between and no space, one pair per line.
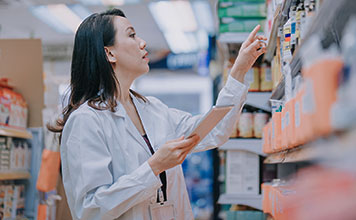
287,119
268,74
308,98
297,114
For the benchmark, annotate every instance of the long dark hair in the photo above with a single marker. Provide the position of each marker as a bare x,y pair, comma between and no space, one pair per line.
92,76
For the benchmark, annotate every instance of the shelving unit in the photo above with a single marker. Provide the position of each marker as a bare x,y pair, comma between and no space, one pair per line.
231,37
15,175
253,145
254,201
259,100
11,132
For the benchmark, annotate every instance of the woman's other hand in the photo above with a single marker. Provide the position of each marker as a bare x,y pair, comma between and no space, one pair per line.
172,153
250,50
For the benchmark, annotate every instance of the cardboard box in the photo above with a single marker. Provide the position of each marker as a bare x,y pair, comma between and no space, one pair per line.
276,138
290,123
242,172
266,138
323,82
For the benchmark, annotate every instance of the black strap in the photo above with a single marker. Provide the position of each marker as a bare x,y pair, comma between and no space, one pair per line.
162,175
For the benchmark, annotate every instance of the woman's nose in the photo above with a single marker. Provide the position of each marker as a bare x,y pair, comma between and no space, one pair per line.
142,44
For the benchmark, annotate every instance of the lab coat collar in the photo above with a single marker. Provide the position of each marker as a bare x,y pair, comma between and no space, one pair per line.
130,127
145,116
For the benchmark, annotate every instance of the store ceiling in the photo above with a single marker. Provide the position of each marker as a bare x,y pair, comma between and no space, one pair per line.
18,22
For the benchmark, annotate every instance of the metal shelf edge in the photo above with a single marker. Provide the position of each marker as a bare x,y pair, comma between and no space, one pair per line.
254,201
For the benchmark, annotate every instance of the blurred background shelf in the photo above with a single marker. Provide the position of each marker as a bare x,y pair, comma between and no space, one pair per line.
254,201
259,100
15,175
253,145
231,37
11,132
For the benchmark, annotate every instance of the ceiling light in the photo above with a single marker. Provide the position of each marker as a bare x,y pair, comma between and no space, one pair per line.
42,13
204,15
62,18
65,15
173,15
180,42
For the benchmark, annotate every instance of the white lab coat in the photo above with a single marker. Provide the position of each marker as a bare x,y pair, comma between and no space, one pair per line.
104,157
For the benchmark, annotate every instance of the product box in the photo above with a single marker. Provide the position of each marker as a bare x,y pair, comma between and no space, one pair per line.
229,24
323,77
242,172
266,79
298,137
253,78
266,138
308,110
276,138
243,9
290,123
284,116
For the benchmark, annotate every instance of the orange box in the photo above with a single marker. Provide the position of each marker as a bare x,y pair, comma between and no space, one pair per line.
323,77
298,137
290,123
266,147
284,128
266,202
276,132
305,132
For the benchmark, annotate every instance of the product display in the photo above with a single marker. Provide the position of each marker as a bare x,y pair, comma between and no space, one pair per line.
242,172
15,155
13,108
12,201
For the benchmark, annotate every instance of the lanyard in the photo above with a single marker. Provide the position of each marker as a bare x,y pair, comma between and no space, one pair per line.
162,176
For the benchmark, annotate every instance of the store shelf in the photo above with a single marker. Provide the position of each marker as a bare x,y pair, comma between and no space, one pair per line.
298,154
253,145
231,37
259,100
14,176
254,201
11,132
280,18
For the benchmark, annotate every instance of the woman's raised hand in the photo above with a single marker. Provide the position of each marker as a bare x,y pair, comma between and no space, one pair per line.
250,50
172,153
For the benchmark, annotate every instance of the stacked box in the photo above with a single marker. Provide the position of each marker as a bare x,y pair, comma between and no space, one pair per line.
241,15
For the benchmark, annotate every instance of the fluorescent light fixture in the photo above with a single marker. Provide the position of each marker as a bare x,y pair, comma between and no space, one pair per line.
81,11
108,2
66,16
42,13
204,15
180,42
62,18
91,2
113,2
173,15
203,39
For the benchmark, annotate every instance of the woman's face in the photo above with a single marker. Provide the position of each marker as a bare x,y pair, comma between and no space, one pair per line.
128,54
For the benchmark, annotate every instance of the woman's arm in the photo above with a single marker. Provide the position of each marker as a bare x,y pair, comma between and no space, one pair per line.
233,93
87,173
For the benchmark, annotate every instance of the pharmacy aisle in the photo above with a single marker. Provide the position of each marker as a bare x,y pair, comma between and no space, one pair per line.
311,134
309,142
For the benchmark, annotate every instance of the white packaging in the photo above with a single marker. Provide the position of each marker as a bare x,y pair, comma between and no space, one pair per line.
242,172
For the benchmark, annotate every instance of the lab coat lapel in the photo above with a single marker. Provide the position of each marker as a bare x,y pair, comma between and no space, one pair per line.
145,116
130,127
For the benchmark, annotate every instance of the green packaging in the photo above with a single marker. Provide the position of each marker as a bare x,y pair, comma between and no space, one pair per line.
242,10
239,25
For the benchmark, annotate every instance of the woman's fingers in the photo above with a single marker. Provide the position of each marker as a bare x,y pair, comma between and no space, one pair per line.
188,143
251,38
256,46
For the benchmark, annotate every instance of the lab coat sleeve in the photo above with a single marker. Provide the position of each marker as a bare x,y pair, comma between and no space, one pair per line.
87,161
233,93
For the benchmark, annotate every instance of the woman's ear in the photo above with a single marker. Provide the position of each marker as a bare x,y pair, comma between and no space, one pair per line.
110,55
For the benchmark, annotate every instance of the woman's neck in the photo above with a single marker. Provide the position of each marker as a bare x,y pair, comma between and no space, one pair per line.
124,88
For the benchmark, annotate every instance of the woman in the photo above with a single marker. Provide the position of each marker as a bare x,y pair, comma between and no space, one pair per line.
121,152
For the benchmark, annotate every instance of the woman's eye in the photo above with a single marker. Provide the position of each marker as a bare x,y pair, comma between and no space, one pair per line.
133,35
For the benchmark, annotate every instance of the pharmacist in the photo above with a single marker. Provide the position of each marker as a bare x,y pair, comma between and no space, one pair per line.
121,152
